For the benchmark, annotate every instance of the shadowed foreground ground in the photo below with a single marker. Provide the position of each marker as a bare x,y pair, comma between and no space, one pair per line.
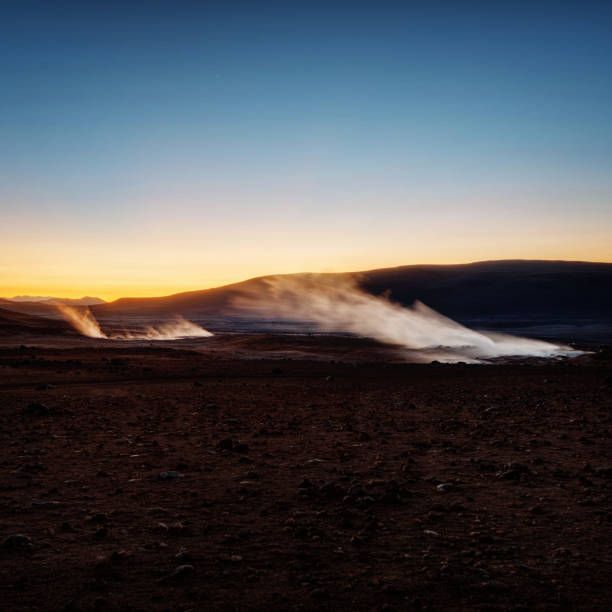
301,484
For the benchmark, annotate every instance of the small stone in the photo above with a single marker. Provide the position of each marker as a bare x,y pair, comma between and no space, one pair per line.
306,579
120,555
46,504
604,472
36,409
320,594
183,556
170,475
444,487
17,542
331,489
180,572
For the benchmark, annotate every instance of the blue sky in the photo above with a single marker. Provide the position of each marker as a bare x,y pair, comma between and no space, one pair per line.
215,141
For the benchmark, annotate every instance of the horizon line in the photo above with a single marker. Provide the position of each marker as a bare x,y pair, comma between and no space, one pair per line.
361,271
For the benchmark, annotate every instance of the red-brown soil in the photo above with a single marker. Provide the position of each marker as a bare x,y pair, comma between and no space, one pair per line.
301,484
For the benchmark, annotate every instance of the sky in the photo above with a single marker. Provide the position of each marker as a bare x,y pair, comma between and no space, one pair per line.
148,148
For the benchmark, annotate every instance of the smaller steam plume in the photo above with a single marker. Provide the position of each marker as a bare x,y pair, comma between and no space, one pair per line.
85,323
179,328
82,320
338,305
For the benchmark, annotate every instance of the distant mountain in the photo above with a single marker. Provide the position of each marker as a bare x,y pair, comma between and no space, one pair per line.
497,289
84,301
566,300
507,289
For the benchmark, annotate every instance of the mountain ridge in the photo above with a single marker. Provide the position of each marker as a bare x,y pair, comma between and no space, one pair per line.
510,288
493,289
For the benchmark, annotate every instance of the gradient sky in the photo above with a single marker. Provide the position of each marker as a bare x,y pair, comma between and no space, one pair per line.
153,147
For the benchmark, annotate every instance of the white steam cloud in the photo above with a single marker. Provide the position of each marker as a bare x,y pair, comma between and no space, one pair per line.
82,320
338,304
85,323
179,328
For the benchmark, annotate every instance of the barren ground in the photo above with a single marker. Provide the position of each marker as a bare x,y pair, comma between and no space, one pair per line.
337,480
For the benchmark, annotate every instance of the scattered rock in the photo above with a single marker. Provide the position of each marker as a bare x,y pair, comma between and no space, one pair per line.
46,504
36,409
486,466
604,472
180,573
17,542
320,594
184,556
331,489
306,484
120,555
514,471
170,475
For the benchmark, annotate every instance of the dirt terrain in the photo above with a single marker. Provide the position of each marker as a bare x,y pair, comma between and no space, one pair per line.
167,476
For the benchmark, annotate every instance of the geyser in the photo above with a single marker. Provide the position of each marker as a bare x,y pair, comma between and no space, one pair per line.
179,328
82,320
85,323
338,305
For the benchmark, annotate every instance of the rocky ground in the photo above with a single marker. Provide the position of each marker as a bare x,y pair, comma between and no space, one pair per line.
160,478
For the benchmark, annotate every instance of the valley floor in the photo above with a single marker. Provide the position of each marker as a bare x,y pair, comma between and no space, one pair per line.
166,478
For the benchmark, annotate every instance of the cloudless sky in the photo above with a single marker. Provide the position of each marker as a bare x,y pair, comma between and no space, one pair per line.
153,147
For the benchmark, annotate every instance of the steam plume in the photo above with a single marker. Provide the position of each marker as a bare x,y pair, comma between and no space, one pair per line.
85,323
179,328
82,320
340,305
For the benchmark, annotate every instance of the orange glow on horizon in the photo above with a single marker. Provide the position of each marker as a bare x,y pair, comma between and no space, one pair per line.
170,255
109,291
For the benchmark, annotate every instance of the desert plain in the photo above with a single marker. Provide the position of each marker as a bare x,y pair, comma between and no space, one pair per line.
299,472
